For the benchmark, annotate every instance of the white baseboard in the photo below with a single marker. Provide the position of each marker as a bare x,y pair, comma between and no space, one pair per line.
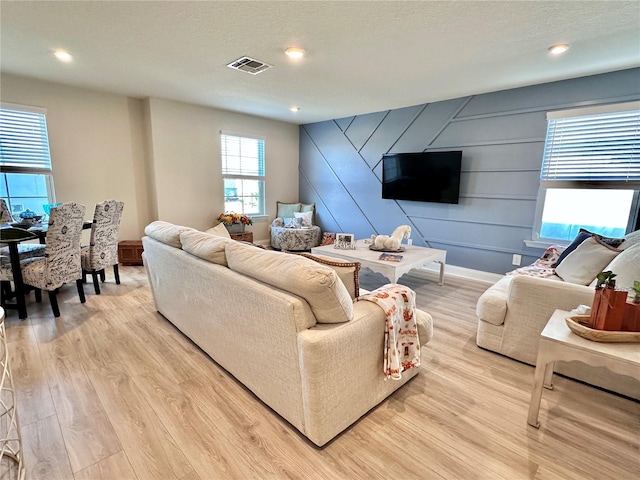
455,271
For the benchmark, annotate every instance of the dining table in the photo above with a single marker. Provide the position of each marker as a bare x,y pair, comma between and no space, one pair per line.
13,235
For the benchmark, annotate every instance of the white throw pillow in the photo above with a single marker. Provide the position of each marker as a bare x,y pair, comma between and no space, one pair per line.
166,232
630,240
583,264
205,246
317,284
305,217
626,266
219,231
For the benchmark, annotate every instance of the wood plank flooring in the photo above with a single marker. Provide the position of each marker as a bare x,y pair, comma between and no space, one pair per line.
112,391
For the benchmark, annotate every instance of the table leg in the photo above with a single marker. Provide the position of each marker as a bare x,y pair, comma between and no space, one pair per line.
17,280
548,375
441,280
542,365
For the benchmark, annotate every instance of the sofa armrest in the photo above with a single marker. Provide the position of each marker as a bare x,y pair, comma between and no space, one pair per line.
277,222
530,303
341,371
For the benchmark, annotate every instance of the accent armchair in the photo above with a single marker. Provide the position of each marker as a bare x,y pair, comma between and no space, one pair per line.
293,228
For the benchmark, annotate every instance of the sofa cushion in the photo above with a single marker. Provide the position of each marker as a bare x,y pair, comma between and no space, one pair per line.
583,264
219,231
166,232
492,304
317,284
626,266
205,246
308,207
286,210
348,272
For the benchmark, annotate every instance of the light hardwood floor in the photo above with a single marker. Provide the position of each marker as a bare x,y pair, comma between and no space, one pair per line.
111,390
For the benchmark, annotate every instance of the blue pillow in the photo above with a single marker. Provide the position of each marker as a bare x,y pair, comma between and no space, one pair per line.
581,237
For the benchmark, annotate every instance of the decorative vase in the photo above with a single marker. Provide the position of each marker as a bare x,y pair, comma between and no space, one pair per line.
608,309
235,228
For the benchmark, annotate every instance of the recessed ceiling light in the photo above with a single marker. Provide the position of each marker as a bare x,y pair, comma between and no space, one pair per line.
294,52
295,108
63,56
558,49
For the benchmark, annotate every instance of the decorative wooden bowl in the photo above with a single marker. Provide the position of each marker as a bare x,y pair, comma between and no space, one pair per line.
605,336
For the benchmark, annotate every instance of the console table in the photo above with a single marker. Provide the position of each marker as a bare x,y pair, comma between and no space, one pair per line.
557,342
412,257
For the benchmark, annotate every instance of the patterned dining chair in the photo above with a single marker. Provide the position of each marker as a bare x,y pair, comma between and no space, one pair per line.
61,261
5,214
25,250
102,251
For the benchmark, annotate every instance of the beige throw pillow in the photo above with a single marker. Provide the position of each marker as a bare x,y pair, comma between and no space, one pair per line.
626,266
219,230
205,246
166,232
348,272
317,284
583,264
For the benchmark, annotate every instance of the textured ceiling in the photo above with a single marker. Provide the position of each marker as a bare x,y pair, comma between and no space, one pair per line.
361,56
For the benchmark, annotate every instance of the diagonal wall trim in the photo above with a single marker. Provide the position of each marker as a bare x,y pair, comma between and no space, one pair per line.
501,135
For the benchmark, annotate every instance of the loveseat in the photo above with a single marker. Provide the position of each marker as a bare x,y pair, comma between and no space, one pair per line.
284,325
513,312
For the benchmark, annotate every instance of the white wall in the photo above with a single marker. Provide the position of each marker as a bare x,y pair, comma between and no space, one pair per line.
162,158
95,145
187,164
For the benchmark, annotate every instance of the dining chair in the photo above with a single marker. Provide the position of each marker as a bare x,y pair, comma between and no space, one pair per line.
61,261
5,214
102,251
28,249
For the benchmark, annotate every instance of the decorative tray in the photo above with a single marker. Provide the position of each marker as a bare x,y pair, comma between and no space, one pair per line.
605,336
401,249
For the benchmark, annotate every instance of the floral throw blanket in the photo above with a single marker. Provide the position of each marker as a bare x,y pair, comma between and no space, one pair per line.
544,266
401,342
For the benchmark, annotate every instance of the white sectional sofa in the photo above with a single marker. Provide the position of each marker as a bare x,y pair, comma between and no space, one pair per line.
282,324
513,312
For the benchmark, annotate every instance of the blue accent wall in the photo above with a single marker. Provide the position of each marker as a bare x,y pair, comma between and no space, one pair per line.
501,135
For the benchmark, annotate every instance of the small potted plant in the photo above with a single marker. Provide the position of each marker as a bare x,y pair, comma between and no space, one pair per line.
234,222
608,306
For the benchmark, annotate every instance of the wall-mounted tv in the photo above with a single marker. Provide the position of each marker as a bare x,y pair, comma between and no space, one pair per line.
422,177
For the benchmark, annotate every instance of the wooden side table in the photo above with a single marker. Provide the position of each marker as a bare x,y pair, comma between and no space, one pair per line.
243,236
557,342
130,252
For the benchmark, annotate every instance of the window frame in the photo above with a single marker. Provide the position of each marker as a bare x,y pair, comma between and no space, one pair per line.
262,202
546,184
44,164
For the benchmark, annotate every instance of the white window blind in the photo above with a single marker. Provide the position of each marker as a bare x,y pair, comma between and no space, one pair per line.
242,156
24,143
601,148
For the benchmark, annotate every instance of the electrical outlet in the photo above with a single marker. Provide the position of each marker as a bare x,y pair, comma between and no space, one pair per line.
409,241
517,259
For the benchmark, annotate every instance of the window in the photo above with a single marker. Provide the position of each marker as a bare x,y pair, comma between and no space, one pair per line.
243,174
25,181
590,176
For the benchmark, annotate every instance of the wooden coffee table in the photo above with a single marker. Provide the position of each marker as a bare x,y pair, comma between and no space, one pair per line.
557,342
412,257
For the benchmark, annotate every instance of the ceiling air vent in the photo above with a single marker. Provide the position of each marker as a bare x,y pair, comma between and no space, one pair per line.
249,65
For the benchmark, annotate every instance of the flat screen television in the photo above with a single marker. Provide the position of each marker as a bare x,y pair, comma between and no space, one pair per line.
422,177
